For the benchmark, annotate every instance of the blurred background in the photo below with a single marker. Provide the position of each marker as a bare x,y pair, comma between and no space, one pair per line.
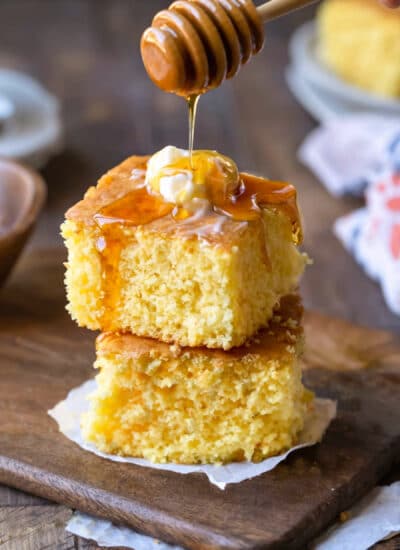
86,54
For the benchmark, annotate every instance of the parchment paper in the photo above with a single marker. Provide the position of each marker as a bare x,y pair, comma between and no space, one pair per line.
375,518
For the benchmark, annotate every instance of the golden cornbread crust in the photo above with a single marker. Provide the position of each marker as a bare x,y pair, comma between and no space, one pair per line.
284,329
192,405
185,283
115,183
359,40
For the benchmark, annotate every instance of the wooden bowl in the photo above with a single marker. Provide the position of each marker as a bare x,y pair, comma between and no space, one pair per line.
22,195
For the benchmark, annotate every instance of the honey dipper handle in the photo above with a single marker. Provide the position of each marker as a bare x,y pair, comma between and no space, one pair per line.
275,8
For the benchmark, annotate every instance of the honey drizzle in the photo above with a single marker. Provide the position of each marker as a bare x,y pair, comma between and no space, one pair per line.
192,101
109,245
139,207
255,193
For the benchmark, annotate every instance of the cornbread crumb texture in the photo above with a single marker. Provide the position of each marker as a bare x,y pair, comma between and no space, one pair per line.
166,403
359,40
180,282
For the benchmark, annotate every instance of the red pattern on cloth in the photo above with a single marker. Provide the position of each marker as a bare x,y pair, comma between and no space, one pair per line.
395,241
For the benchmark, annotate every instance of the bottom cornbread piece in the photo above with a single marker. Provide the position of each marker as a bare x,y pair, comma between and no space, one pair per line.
195,405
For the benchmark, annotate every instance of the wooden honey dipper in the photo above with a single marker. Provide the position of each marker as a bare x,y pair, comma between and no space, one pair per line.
196,44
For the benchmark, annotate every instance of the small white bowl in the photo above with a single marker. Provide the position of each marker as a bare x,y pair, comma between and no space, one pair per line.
30,120
22,195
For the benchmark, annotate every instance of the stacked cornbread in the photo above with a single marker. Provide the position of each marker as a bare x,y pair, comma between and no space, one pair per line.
189,270
360,41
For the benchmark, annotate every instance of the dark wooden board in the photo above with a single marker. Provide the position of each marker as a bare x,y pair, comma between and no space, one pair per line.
43,355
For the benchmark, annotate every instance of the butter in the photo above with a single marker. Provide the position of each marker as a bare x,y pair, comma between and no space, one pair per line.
169,174
178,188
179,181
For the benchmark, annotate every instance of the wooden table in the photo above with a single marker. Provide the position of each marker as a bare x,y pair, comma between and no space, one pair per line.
87,53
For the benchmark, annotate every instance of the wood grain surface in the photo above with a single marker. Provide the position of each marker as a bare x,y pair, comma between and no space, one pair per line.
86,52
43,355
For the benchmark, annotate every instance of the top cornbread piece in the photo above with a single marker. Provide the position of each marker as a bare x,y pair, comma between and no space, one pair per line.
206,280
360,41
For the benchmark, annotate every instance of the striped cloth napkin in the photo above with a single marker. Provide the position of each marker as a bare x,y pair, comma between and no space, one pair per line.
360,155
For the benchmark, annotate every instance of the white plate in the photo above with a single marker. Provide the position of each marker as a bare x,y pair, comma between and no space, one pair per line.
30,130
304,56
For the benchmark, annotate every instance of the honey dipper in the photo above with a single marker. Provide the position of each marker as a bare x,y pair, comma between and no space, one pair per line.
196,44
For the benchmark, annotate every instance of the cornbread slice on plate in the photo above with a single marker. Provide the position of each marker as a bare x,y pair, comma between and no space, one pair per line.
195,405
205,280
359,40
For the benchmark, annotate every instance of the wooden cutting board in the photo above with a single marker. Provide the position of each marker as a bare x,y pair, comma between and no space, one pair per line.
43,355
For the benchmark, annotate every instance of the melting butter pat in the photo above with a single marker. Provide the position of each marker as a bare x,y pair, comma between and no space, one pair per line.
181,180
169,174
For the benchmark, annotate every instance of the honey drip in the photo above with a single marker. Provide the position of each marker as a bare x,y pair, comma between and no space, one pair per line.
192,101
242,201
138,207
256,193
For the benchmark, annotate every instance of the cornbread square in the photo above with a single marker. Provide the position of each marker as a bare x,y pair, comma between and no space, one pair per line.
195,405
203,281
360,41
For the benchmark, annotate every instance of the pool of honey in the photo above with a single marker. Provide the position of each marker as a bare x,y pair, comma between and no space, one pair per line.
243,201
